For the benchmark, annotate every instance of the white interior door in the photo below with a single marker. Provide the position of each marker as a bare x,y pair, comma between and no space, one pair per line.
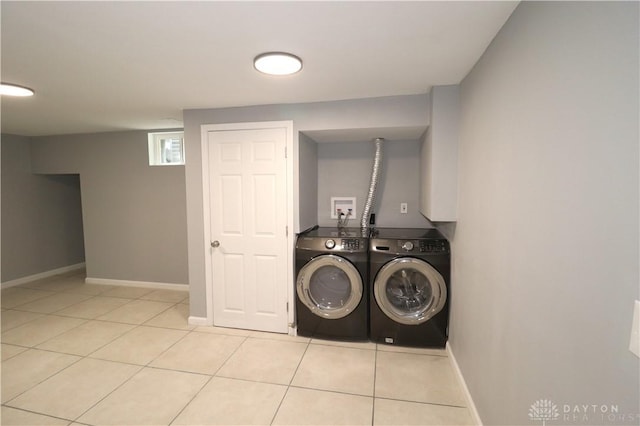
248,205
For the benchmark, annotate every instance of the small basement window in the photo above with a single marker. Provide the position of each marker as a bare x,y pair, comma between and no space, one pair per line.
166,148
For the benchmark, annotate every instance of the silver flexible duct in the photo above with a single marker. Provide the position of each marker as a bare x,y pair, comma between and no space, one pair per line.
375,175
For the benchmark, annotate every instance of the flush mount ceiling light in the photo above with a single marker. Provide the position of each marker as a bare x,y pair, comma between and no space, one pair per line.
15,90
277,63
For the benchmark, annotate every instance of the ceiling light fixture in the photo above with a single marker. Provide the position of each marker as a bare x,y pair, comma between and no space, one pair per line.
10,89
277,63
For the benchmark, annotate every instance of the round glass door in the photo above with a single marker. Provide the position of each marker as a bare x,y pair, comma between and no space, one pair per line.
330,286
409,291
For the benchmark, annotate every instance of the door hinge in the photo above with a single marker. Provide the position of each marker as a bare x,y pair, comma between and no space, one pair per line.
285,152
286,230
287,307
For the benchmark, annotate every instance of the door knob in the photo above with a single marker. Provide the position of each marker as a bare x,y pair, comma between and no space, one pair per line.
215,244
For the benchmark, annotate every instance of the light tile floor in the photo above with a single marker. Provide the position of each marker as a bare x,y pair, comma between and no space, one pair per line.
86,354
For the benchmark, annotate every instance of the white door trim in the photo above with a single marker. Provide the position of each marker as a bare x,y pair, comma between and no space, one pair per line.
204,144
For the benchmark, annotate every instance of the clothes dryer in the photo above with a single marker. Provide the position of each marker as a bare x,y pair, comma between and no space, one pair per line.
409,294
332,291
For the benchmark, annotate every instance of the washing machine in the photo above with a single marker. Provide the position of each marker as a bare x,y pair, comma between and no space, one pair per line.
332,284
409,271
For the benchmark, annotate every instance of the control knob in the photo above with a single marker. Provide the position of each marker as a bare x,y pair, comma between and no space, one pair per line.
329,244
408,246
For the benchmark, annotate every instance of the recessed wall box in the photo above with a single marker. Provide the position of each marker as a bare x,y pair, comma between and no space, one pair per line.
345,205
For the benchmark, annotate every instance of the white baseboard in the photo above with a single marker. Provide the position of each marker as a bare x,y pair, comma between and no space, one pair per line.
41,275
145,284
201,321
467,395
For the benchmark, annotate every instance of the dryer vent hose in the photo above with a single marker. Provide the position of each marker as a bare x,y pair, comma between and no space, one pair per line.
375,176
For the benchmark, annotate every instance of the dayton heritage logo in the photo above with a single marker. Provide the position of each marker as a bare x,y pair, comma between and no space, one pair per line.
544,410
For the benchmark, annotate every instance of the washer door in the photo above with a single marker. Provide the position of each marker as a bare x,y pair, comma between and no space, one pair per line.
409,290
330,286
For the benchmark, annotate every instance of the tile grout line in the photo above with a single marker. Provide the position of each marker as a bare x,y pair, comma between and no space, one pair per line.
422,402
148,365
19,325
40,414
6,403
30,301
84,321
375,372
188,332
135,327
141,367
82,357
328,391
205,384
56,292
286,392
208,381
75,420
54,313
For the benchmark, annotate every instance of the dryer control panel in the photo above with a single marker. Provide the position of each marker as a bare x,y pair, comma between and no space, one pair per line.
329,245
344,244
434,246
350,244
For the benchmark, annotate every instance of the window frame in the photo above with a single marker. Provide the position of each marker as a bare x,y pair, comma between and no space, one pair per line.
155,147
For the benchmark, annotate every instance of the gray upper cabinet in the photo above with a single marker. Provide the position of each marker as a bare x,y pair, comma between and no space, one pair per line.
439,156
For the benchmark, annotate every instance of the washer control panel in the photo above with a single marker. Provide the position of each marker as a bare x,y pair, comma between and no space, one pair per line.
400,246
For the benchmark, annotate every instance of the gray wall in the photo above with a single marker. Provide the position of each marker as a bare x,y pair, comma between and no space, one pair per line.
134,214
389,112
344,170
545,254
41,215
308,181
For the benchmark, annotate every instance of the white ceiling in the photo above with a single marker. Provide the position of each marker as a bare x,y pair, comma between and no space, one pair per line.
105,66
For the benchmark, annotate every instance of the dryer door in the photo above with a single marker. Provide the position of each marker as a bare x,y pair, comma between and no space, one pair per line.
330,286
409,290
